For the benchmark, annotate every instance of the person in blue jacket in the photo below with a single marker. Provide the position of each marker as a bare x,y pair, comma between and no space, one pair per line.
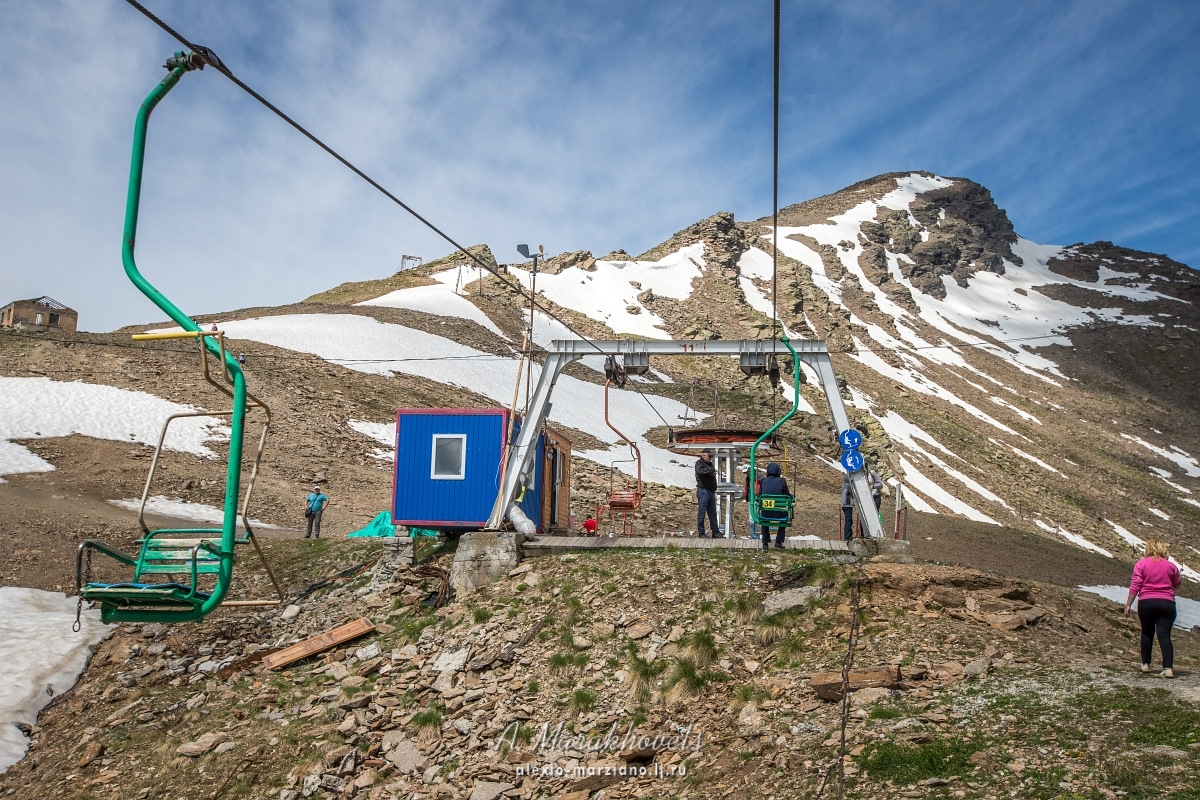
314,507
774,483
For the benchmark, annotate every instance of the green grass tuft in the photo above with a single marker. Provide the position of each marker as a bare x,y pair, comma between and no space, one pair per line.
583,701
903,764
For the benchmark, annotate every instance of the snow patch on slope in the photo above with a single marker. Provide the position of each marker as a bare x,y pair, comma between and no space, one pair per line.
608,294
442,298
182,509
40,408
365,345
43,658
1073,538
1000,314
382,432
1187,611
1181,459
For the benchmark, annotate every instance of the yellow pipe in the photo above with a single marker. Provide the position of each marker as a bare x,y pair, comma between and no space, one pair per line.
176,335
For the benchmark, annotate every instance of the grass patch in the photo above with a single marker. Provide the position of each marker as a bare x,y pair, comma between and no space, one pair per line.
642,675
701,647
744,694
685,681
1151,716
481,616
428,725
745,608
884,712
561,663
583,701
772,628
907,764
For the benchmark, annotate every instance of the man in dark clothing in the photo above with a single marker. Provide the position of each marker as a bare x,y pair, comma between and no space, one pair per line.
847,508
774,483
876,485
706,494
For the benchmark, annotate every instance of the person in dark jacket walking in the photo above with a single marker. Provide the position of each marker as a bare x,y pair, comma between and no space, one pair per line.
706,494
875,483
774,483
847,508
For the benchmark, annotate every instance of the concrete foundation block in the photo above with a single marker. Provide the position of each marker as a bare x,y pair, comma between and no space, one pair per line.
481,558
897,551
397,554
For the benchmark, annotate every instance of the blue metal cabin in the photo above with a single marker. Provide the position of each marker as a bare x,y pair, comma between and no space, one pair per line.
448,468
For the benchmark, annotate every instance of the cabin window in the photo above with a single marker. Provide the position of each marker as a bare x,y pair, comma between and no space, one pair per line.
449,457
37,320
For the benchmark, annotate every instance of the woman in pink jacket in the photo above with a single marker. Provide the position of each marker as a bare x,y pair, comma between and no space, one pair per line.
1154,582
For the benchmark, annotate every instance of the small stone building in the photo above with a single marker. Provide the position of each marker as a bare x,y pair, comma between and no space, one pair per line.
42,314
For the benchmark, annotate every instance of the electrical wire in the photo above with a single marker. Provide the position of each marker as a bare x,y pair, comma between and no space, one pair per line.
210,58
481,356
775,192
775,211
670,428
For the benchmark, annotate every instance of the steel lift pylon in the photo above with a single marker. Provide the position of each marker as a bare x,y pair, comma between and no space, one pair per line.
562,352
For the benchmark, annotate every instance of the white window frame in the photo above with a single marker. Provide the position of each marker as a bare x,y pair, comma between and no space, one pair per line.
462,464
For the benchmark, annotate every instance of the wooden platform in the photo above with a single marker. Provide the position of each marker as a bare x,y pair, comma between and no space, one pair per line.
561,544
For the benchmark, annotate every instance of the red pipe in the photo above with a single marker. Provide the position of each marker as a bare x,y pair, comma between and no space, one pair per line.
636,453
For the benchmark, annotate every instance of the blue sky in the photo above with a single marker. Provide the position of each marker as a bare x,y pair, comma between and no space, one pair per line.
582,125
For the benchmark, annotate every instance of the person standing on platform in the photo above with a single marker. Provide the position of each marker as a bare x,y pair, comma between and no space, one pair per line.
706,494
774,483
847,508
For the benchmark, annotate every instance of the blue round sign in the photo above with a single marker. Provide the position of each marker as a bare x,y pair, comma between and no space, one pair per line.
852,460
850,439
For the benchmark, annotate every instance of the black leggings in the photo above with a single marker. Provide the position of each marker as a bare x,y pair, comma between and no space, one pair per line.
1157,616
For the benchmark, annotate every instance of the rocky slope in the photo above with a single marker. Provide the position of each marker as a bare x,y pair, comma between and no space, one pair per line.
718,673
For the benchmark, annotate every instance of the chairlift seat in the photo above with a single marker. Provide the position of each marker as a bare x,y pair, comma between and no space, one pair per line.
144,595
774,509
625,500
163,556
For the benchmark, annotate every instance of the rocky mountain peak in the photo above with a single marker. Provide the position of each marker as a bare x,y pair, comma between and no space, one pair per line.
961,231
724,240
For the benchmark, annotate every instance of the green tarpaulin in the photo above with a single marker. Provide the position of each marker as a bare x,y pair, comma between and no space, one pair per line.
380,526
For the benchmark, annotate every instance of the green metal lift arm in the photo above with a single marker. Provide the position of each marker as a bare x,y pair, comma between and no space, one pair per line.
178,65
770,431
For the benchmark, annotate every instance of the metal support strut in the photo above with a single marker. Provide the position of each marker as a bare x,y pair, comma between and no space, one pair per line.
562,352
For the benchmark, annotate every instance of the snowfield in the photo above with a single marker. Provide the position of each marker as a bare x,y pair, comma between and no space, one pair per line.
608,293
363,344
442,298
1187,611
40,408
43,658
181,509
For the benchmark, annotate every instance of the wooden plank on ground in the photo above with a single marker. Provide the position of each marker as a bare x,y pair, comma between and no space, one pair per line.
318,643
